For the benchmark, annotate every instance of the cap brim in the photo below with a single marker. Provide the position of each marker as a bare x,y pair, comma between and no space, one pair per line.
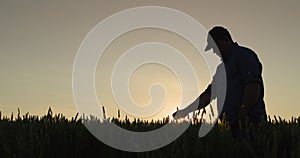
208,47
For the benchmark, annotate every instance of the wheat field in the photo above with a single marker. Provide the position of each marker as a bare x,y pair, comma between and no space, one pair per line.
54,135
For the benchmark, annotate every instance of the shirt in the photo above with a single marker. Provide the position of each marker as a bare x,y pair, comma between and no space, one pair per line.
242,66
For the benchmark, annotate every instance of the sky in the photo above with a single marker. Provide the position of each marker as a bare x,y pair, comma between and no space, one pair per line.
39,41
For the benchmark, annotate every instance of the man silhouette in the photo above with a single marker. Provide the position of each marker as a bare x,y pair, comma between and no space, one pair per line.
244,98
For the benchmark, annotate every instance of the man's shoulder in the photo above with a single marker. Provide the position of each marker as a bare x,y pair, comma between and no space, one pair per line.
243,49
245,52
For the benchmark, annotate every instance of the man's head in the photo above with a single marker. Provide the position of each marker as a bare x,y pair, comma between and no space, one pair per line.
222,39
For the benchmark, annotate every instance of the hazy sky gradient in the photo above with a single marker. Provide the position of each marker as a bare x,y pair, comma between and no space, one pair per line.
39,41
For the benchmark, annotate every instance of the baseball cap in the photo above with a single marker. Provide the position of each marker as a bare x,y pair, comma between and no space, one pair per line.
217,33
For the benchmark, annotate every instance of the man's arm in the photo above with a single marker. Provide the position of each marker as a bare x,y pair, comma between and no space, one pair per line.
251,95
204,100
250,98
251,69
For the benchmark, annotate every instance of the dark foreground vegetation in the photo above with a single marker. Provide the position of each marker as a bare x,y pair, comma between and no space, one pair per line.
53,135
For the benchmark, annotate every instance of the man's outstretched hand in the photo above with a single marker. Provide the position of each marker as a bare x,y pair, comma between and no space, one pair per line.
179,114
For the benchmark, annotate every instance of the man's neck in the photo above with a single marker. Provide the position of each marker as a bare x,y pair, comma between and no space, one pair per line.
226,54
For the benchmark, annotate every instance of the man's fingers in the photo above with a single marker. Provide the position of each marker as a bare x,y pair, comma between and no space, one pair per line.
179,114
174,114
